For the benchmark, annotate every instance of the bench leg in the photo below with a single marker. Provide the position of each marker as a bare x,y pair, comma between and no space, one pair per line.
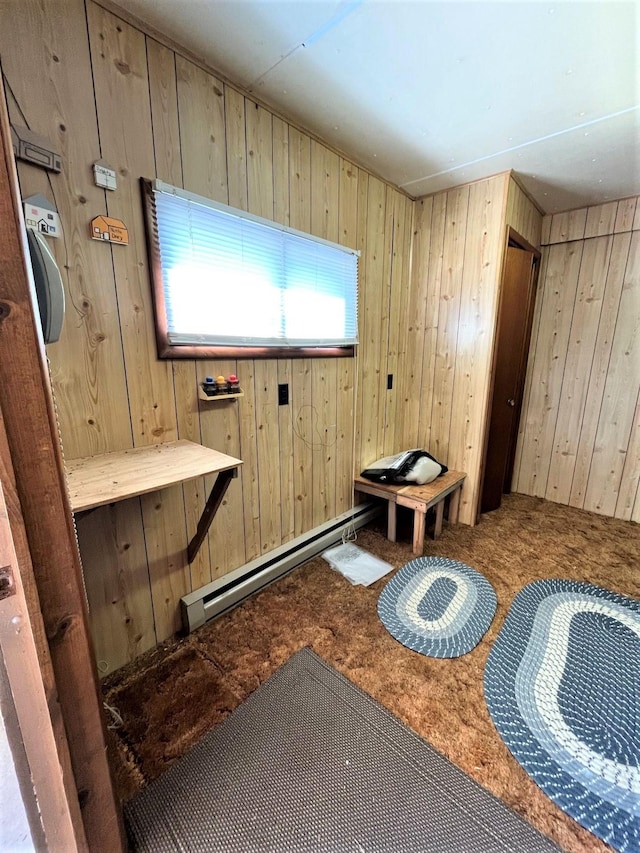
437,530
454,505
418,531
391,521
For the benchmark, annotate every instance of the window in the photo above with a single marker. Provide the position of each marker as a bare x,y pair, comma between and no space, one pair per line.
230,284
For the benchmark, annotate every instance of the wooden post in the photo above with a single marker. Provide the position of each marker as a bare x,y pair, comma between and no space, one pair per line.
26,403
45,779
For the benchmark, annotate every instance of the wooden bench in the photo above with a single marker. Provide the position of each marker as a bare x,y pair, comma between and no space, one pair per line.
419,499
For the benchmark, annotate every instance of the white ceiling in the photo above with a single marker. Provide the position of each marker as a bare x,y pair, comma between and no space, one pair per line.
433,94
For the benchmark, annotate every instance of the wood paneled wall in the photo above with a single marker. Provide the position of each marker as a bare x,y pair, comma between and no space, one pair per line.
459,239
99,88
579,441
523,215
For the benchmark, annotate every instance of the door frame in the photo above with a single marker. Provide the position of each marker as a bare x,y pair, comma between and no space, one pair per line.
54,589
512,237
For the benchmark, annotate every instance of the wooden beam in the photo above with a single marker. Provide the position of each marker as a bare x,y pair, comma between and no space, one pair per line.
54,816
28,410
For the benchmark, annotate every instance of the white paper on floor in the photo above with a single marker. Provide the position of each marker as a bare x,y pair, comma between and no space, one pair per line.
358,566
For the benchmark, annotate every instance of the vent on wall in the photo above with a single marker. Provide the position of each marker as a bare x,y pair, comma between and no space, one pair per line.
218,596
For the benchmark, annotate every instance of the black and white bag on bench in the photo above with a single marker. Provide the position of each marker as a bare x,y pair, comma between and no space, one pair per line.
410,466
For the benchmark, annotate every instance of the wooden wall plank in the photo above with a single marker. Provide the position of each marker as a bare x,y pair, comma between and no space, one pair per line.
286,462
403,346
601,219
373,336
452,228
165,535
161,65
325,189
568,226
185,384
120,607
429,435
259,160
300,218
587,428
577,367
397,320
236,139
202,131
620,395
628,503
345,433
299,180
557,293
280,171
87,364
412,401
388,335
345,377
302,444
268,452
249,456
220,430
522,215
625,214
323,437
361,237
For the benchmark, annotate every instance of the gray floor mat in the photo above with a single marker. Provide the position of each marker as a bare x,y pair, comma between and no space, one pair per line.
309,762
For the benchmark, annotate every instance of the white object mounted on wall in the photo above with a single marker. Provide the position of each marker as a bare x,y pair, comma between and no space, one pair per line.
109,229
41,215
104,175
49,287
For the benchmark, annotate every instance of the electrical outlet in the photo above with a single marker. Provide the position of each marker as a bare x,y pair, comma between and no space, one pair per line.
283,394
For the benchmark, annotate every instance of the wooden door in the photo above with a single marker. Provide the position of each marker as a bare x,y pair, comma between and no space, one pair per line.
514,330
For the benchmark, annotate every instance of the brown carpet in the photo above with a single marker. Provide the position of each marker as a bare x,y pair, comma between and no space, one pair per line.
171,696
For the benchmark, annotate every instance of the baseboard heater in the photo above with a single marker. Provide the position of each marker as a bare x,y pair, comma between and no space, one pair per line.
220,595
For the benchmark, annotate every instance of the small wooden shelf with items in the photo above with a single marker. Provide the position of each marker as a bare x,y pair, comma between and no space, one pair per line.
220,388
212,398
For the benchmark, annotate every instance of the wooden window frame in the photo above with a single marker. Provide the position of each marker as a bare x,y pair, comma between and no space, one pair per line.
168,350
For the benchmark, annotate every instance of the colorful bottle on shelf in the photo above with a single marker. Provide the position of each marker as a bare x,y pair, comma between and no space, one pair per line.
209,386
221,385
233,384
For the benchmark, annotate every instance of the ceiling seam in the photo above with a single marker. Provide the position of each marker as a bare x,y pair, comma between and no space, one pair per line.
522,145
315,36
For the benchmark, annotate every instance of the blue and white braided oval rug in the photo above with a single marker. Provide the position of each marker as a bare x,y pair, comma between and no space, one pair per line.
438,607
562,684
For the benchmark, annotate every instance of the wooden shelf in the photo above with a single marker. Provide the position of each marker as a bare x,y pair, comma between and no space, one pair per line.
99,480
212,398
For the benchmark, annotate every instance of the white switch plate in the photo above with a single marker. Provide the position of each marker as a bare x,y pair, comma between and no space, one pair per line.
104,176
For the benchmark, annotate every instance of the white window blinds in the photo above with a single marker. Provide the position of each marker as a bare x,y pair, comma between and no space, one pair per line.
232,279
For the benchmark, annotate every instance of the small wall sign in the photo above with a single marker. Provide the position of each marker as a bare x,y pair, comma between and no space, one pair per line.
42,216
109,230
104,175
